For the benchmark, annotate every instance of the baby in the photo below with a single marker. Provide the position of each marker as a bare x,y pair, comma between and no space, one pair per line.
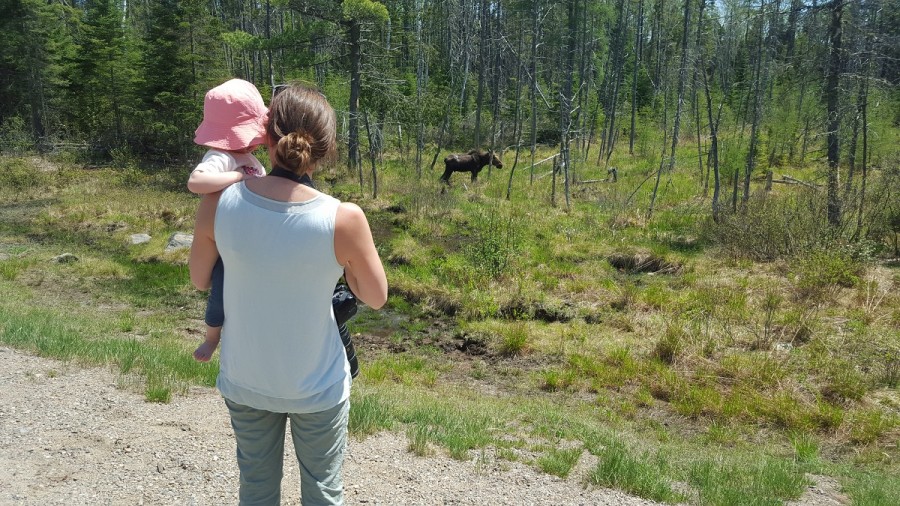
233,126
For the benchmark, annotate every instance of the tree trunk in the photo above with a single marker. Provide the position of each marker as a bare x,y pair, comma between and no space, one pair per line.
355,80
420,83
865,153
566,102
713,132
371,156
682,71
851,152
619,62
638,46
832,83
534,38
757,105
495,92
483,59
517,127
269,43
662,156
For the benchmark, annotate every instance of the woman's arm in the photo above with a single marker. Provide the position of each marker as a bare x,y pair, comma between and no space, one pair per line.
203,250
355,250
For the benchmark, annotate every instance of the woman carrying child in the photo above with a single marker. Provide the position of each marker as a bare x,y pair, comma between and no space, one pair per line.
286,244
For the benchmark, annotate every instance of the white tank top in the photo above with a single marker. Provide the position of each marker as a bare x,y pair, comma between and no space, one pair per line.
280,348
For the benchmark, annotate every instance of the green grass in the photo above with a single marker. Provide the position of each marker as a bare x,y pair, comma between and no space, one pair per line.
767,481
559,461
162,360
640,474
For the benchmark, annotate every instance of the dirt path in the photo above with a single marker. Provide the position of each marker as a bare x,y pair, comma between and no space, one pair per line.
70,435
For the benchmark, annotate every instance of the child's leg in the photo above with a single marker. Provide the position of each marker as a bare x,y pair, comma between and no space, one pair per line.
215,314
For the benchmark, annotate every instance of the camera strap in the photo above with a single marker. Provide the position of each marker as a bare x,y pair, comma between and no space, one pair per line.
304,179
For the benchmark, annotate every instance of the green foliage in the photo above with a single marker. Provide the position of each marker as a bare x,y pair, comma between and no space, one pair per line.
22,177
14,135
867,425
514,339
672,343
364,10
820,272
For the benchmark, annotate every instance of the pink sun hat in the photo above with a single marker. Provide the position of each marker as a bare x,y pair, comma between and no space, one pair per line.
234,117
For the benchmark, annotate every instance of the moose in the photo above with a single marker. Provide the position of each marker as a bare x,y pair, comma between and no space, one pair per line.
471,162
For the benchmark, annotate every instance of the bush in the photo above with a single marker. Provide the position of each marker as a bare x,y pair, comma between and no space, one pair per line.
14,136
822,271
773,227
19,175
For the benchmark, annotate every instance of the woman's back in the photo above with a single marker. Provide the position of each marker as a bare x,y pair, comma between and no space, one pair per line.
280,273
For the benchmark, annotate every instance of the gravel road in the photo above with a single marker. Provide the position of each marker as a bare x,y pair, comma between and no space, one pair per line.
72,435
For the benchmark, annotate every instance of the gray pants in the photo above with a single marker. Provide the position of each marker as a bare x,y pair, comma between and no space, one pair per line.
319,442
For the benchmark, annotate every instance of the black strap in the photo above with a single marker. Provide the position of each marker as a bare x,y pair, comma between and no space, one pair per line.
304,179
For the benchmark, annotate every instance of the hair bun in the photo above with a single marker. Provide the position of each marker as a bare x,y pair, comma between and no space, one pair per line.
295,150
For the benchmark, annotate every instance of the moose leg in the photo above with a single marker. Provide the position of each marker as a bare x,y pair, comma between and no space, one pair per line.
445,178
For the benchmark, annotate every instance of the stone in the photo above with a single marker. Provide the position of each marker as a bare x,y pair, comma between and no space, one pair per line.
65,258
180,240
140,238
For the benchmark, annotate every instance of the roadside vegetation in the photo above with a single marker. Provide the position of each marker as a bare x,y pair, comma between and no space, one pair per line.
679,359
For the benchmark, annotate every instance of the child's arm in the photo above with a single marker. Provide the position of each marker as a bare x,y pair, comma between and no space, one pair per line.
203,182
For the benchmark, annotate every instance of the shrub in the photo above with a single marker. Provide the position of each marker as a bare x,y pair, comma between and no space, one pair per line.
19,175
822,271
494,241
773,227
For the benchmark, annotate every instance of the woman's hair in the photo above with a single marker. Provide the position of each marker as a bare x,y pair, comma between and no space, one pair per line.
301,127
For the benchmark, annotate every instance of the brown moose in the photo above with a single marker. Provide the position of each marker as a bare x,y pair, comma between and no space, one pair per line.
471,162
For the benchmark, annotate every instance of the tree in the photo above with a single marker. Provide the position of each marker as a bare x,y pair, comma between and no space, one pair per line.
33,61
832,93
355,14
101,79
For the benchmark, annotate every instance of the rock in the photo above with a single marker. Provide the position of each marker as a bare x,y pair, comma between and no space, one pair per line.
180,240
140,238
784,347
65,258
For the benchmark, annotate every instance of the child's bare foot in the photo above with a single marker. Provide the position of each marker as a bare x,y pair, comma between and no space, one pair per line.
205,351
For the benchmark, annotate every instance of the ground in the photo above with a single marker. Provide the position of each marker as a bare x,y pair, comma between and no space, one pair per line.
81,436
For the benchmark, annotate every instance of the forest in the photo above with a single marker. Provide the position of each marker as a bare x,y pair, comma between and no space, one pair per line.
686,272
755,85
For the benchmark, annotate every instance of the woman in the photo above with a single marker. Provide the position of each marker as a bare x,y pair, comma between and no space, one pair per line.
285,245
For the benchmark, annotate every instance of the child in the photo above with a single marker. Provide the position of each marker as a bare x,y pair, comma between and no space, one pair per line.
233,125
